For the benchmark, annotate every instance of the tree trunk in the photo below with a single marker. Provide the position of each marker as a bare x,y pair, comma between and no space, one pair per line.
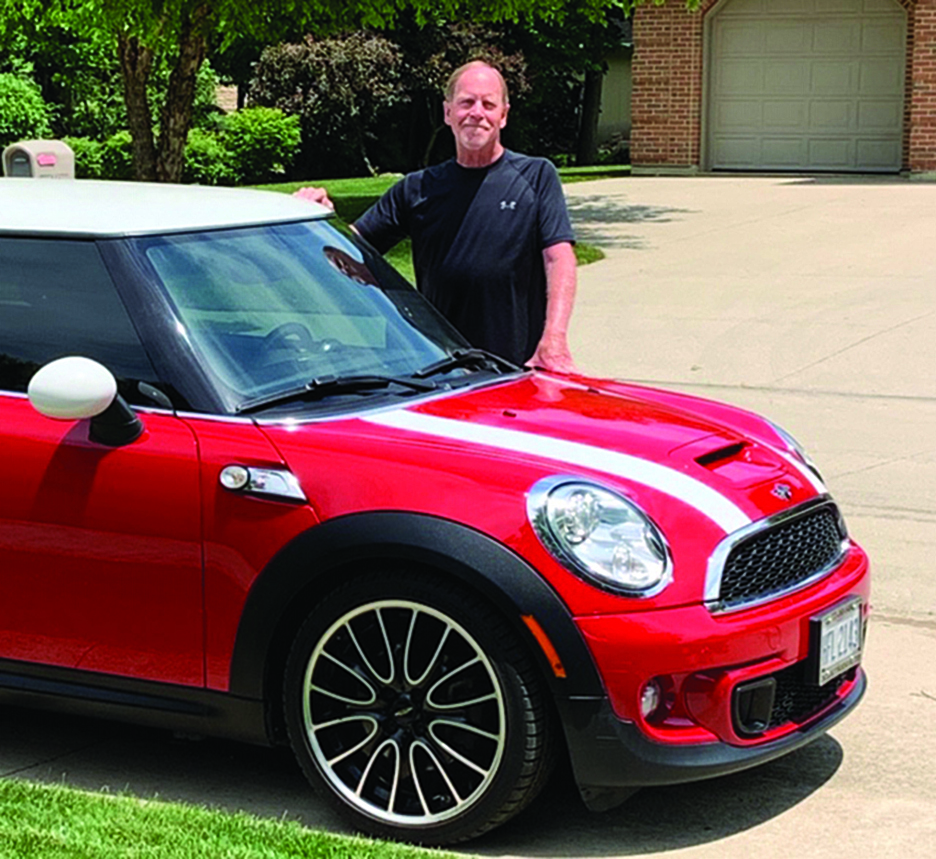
136,61
176,117
586,151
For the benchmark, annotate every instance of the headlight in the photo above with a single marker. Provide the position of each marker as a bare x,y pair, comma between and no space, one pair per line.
600,535
796,449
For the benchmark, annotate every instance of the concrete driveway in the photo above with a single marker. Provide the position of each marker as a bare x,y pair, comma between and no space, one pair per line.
814,302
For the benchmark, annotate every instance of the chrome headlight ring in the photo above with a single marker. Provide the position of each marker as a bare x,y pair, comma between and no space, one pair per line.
600,535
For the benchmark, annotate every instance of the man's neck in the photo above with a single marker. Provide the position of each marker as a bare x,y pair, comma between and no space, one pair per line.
475,158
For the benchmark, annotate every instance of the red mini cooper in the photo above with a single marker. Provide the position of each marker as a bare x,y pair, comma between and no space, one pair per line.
255,486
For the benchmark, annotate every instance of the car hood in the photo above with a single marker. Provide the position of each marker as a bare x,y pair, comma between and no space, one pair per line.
636,438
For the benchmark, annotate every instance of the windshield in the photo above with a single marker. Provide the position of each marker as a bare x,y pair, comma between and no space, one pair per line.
269,309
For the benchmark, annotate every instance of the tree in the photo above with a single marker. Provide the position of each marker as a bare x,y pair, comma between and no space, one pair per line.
181,32
572,55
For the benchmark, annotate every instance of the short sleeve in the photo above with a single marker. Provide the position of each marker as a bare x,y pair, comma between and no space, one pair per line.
552,212
385,223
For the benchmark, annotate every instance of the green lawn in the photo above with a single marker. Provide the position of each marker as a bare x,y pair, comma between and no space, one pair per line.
40,821
352,197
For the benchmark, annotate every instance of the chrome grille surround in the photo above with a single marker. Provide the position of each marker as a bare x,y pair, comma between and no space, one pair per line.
766,528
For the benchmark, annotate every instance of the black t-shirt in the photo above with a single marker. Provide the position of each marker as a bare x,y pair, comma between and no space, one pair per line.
478,236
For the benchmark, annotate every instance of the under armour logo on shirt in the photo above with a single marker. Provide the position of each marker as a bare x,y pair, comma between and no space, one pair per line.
511,205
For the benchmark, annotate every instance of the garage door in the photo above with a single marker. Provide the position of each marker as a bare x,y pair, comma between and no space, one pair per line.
806,85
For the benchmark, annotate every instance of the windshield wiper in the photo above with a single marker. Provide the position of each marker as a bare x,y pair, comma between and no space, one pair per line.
462,358
328,385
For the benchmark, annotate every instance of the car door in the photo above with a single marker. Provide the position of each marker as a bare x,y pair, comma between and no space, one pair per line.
100,547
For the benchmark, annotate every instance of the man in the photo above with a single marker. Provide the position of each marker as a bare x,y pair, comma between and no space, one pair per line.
492,241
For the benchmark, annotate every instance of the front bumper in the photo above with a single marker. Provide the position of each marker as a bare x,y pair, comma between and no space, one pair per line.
611,757
740,688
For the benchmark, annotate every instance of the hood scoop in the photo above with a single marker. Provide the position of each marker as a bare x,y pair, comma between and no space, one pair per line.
740,462
730,451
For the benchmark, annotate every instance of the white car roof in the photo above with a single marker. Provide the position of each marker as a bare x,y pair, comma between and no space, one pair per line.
82,208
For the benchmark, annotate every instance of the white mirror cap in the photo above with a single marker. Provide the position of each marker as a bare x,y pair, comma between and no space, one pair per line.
72,388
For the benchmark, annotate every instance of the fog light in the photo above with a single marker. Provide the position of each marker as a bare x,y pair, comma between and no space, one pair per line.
650,699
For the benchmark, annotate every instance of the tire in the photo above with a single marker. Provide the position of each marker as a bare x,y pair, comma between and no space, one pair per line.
411,705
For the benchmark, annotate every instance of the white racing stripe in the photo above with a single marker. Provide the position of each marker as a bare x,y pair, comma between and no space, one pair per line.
727,515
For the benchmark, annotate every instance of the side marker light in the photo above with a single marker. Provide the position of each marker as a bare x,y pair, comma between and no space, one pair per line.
552,656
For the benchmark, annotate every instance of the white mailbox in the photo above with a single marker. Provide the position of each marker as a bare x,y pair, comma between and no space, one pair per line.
40,159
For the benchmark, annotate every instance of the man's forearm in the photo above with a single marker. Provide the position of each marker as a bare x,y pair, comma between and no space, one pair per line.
553,353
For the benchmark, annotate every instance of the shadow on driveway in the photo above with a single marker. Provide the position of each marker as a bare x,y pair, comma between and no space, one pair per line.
665,818
597,219
99,755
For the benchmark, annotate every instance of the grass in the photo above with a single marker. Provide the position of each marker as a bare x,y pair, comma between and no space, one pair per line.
40,821
352,197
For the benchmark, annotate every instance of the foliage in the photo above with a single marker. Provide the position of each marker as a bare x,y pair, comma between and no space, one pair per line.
340,88
108,159
207,160
117,156
261,142
88,156
251,145
24,114
77,73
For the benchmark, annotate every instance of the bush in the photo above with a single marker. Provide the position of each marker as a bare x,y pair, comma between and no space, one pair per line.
341,88
24,114
261,142
207,160
108,159
117,157
88,156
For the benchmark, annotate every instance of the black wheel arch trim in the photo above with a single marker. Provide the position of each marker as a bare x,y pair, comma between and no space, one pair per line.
474,558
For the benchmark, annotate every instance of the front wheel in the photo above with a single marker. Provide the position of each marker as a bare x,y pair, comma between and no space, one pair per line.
416,709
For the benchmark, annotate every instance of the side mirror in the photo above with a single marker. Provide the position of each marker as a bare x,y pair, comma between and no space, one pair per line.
76,388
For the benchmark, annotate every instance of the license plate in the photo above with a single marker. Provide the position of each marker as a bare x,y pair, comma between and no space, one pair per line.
839,640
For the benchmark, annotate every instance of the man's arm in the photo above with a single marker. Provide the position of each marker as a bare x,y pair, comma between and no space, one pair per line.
553,353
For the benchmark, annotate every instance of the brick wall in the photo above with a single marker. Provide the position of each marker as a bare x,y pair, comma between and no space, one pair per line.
666,102
922,92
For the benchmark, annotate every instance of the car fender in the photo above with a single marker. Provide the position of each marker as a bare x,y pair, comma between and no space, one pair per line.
308,566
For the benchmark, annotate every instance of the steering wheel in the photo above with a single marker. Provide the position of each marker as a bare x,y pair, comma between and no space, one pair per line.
289,335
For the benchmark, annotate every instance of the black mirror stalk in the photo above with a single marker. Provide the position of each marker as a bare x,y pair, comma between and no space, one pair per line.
117,425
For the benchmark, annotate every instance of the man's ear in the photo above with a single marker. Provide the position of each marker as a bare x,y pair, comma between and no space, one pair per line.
503,121
447,112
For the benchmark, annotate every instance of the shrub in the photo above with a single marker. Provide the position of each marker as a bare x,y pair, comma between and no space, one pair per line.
207,160
88,157
117,157
341,88
24,114
261,142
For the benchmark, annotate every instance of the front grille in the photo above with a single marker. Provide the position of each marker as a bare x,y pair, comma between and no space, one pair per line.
779,558
794,700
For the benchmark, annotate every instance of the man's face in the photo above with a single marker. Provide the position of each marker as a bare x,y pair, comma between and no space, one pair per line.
477,111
